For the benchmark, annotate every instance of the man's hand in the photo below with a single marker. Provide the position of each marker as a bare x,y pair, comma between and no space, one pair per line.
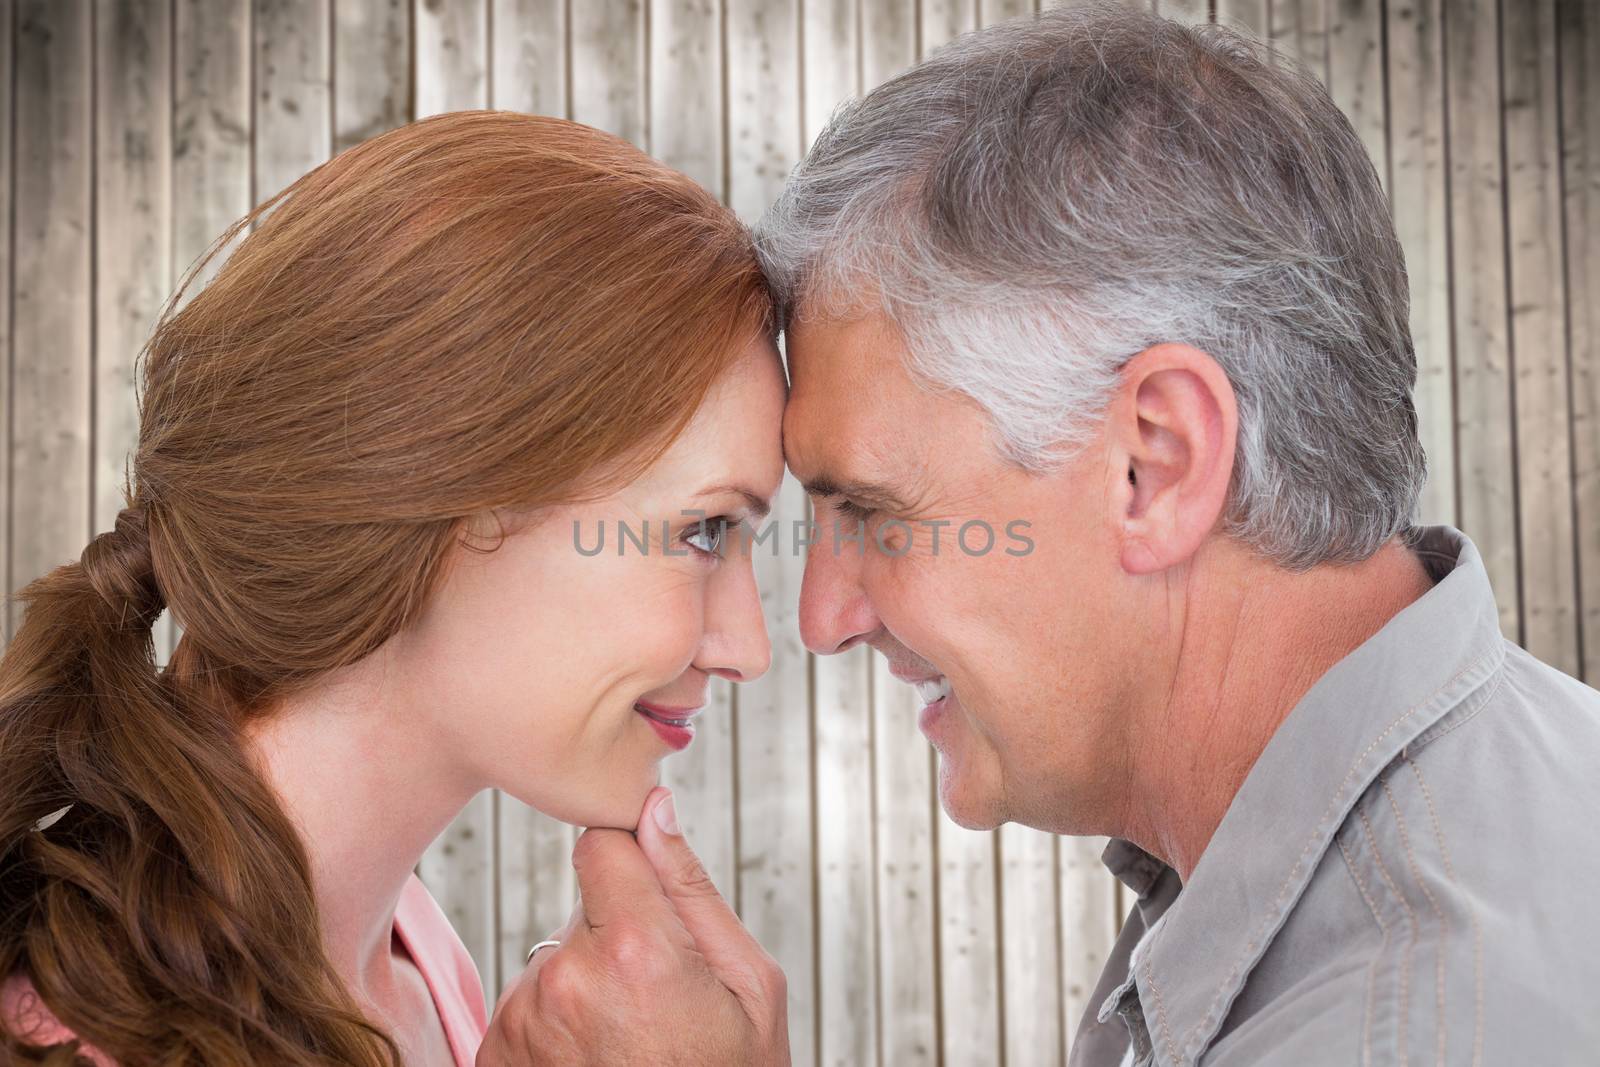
653,967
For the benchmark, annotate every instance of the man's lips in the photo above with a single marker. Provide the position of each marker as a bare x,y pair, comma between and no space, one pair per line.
912,675
931,687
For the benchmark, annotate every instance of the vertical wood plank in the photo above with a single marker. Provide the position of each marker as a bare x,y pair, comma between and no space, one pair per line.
1538,335
941,21
1356,73
774,715
847,902
51,290
1299,31
1030,970
133,231
1486,474
988,13
969,936
832,66
452,55
1579,40
1190,11
461,867
906,806
685,89
293,112
608,61
211,133
372,61
1089,924
686,132
529,50
211,138
1246,16
7,27
1421,217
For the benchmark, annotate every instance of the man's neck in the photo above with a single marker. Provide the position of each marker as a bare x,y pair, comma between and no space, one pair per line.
1249,641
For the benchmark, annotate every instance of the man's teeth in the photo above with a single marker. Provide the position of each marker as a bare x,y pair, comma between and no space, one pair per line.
934,690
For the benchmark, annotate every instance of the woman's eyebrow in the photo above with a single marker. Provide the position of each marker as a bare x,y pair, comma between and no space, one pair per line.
758,506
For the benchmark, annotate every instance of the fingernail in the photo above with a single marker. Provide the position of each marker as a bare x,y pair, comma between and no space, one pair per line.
667,815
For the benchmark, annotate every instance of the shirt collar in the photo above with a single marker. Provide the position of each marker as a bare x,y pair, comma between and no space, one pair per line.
1355,719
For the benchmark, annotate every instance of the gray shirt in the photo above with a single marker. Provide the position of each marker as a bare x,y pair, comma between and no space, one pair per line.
1405,875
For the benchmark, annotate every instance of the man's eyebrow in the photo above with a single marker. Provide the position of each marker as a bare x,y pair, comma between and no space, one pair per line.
826,486
758,506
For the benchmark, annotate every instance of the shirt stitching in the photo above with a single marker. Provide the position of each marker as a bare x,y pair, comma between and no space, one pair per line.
1411,925
1472,918
1383,947
1444,921
1442,727
1161,1008
1289,878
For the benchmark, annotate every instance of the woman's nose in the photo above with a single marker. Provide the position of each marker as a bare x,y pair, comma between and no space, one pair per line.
736,645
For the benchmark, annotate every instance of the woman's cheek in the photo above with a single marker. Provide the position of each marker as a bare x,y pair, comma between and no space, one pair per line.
665,623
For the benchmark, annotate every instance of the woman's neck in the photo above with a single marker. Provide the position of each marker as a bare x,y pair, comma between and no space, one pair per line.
368,789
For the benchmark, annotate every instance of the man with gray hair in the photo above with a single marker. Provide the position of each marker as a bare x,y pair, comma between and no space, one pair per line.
1134,285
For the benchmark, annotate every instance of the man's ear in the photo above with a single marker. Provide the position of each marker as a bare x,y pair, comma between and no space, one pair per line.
1171,431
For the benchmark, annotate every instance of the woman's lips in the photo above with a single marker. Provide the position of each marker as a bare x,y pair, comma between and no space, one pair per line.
672,725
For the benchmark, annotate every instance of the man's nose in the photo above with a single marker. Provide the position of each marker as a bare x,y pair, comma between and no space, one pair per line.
835,613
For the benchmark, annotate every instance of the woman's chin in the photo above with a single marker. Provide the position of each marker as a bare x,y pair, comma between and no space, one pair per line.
617,807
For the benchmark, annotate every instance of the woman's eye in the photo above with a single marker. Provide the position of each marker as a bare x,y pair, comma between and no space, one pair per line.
709,537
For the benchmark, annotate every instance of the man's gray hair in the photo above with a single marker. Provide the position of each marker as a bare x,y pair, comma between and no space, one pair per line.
1042,200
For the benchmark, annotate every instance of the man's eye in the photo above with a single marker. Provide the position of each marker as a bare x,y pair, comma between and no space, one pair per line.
851,510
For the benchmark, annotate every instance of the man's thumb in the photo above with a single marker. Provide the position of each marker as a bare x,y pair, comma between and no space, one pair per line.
727,946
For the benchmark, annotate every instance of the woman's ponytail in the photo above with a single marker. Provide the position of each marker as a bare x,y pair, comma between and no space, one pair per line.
151,888
86,630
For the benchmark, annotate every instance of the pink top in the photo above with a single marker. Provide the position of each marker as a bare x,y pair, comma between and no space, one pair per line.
428,938
446,966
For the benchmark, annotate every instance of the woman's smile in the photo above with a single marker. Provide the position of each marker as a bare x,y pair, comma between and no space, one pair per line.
672,725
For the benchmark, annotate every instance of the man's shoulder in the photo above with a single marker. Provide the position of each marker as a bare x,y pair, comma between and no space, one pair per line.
1503,785
1452,909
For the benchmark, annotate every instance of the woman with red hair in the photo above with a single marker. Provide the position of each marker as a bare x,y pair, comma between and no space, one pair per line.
367,449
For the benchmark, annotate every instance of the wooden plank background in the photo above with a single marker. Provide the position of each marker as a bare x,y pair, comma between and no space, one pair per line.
133,131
